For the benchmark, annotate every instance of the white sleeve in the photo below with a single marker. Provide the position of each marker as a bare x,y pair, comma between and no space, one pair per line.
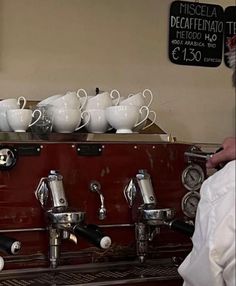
212,259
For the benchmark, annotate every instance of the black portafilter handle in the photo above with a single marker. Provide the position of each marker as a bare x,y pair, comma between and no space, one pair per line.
93,234
182,226
9,245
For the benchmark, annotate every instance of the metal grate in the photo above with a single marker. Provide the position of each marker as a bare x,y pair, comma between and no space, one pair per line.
102,277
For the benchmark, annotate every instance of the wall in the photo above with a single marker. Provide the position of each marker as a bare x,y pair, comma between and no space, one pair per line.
51,46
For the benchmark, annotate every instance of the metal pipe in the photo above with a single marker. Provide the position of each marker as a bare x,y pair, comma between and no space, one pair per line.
22,229
44,229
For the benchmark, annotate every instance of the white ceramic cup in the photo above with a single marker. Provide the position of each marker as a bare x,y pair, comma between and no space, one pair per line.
6,104
125,117
12,103
21,119
98,122
70,100
103,100
134,100
114,101
139,99
49,100
67,120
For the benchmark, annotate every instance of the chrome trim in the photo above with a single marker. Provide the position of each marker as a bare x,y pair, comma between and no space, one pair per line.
65,217
44,229
117,225
155,138
76,278
23,229
85,266
79,137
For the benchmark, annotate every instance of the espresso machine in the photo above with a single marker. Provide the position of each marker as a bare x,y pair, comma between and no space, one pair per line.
91,189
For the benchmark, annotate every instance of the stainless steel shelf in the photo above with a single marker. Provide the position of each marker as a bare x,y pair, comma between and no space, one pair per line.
78,137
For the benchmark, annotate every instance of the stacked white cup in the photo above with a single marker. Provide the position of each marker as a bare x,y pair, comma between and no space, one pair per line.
7,104
141,99
96,107
21,119
126,117
66,111
13,116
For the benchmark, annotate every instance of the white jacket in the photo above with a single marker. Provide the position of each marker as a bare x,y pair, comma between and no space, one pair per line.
212,259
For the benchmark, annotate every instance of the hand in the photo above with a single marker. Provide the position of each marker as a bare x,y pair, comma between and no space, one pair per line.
227,154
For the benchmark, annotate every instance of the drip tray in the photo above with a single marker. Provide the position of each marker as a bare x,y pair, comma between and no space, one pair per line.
95,275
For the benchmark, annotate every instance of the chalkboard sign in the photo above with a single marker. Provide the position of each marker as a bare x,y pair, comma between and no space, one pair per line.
230,28
196,34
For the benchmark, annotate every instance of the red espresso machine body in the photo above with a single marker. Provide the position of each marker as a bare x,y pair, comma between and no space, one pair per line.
109,164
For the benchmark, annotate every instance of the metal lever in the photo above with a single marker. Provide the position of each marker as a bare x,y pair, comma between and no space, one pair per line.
199,155
96,187
204,156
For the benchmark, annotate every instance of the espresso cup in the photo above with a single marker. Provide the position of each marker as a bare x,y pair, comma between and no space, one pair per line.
21,119
67,120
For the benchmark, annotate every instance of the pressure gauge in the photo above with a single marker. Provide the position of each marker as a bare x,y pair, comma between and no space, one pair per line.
189,204
193,177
